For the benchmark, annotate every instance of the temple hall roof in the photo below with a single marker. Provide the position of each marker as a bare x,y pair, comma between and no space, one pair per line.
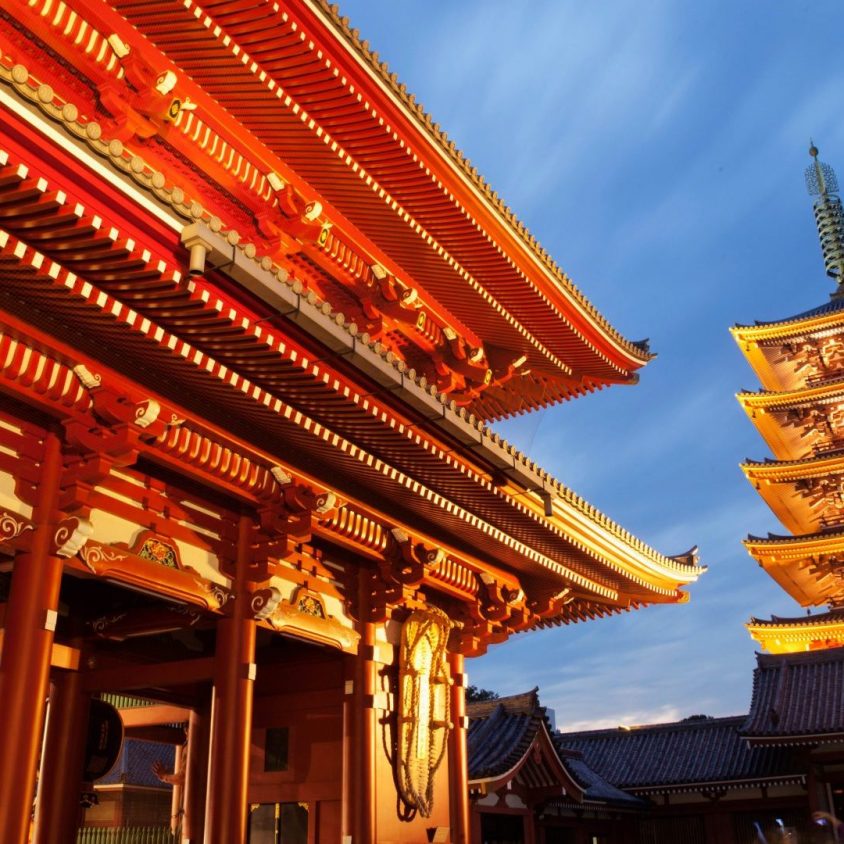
797,698
509,738
681,756
500,733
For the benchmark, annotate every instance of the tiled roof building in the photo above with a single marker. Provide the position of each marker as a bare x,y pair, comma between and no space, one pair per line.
691,755
798,698
521,780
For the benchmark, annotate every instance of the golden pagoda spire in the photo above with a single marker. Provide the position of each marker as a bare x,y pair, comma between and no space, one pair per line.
829,215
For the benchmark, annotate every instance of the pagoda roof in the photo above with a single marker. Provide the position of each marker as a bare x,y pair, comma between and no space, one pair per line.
804,494
691,755
797,352
803,633
798,423
509,740
818,619
390,186
801,323
797,698
804,566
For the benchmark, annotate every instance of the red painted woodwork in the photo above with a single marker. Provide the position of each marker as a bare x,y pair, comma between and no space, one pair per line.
27,646
458,762
57,810
231,712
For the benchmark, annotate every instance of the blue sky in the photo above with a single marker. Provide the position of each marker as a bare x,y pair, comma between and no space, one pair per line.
656,148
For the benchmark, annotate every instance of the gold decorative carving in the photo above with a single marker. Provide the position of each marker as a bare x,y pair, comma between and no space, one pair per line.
304,614
308,603
217,592
11,527
157,549
91,555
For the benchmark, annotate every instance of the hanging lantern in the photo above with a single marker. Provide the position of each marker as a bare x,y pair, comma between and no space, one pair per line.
424,710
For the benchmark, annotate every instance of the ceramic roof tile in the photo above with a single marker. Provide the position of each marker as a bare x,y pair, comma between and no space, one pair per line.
797,695
690,752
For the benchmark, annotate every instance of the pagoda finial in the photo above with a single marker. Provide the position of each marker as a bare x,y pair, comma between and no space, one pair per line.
829,215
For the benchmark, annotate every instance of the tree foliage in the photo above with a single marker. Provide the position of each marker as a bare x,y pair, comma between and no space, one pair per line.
474,694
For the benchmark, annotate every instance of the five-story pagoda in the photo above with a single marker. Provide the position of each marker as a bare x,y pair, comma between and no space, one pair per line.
800,413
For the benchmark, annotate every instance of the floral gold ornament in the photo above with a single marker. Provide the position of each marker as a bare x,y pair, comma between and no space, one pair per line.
424,710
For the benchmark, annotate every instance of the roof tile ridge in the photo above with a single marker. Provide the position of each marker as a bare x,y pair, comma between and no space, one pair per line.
399,89
665,726
834,380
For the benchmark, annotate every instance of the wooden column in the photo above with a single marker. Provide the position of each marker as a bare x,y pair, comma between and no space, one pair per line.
349,796
196,777
458,764
231,719
58,813
25,665
363,821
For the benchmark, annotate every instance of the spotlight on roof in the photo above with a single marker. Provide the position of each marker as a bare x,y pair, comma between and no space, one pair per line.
519,361
378,271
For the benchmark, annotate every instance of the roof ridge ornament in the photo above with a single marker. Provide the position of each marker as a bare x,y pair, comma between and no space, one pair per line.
829,215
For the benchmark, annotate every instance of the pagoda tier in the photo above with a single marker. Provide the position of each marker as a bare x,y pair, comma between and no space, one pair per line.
797,352
805,495
807,633
807,567
358,197
799,423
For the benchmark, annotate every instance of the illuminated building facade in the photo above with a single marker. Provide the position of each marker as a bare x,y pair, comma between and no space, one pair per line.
255,315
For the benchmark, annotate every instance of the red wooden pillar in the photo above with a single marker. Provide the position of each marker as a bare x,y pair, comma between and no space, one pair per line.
58,813
363,811
349,797
458,765
196,777
231,719
27,647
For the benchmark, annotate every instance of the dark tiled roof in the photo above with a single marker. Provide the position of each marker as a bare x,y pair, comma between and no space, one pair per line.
500,732
134,765
596,788
835,303
694,752
832,532
797,695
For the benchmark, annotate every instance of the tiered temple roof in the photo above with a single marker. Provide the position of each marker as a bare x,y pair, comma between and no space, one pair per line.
800,414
